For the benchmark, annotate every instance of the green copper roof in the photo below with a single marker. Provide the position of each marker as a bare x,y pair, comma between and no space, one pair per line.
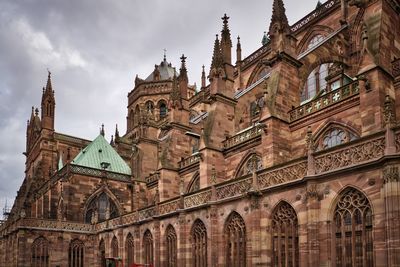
99,154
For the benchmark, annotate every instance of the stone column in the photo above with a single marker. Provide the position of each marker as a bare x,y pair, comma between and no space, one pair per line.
184,248
391,188
157,243
312,198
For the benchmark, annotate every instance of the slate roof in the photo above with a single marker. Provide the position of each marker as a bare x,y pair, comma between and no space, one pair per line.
100,151
166,72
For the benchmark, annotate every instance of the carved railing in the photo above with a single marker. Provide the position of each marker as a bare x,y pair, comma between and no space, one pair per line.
152,178
54,224
235,188
347,156
255,55
169,206
98,173
197,199
396,68
317,13
147,213
190,160
275,176
243,136
324,101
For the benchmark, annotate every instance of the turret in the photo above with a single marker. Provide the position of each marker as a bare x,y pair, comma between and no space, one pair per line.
238,51
48,106
203,78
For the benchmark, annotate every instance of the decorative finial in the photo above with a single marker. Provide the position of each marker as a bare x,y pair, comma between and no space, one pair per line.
116,132
165,54
112,140
36,112
102,130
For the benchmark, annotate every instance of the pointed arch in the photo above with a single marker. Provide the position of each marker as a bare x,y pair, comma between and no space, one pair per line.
194,184
130,249
131,119
198,238
311,33
252,161
259,71
334,133
76,256
40,252
100,205
102,253
352,229
171,246
285,236
163,108
148,247
235,240
114,247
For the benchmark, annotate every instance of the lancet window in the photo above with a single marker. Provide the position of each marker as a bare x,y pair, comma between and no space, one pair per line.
76,254
101,208
172,253
353,230
235,239
163,109
148,247
130,249
285,237
199,244
114,247
40,253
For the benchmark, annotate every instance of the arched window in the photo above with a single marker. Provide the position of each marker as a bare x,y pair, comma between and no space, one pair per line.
150,107
76,254
235,240
353,230
199,244
101,208
335,136
136,116
114,247
102,253
285,237
40,253
316,82
252,164
148,247
131,119
315,41
171,240
130,250
194,184
163,109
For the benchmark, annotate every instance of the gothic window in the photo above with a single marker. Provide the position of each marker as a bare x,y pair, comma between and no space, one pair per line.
101,208
130,250
335,136
194,184
315,41
353,230
76,254
148,247
252,164
285,237
102,253
316,82
171,247
40,253
114,247
149,107
163,109
199,244
235,240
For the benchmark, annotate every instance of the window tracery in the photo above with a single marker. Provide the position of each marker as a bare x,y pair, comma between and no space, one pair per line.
199,244
335,136
40,253
76,254
353,230
316,82
235,239
130,250
285,237
315,41
150,107
194,184
148,247
252,164
101,208
171,247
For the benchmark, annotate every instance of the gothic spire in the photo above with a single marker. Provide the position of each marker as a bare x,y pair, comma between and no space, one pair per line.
238,50
49,88
116,132
278,18
183,70
217,60
203,77
226,42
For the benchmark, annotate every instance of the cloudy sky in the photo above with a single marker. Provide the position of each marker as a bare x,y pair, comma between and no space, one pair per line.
94,49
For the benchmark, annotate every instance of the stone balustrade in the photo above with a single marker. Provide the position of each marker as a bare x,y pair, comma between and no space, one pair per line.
243,136
196,157
324,101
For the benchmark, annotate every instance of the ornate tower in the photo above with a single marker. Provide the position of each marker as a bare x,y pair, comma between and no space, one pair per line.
48,106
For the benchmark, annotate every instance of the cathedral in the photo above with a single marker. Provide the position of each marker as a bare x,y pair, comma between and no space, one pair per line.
287,157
